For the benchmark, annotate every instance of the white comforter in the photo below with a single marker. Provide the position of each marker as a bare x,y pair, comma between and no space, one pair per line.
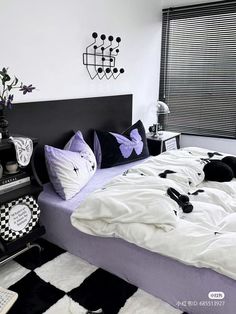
136,207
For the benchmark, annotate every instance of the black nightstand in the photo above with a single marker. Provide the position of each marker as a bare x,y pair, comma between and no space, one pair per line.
167,141
24,184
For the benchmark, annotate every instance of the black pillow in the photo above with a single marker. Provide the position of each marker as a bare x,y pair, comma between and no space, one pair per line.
112,149
217,170
230,161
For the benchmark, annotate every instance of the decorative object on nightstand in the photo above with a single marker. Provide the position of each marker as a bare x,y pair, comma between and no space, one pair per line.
162,114
164,142
6,97
19,211
23,148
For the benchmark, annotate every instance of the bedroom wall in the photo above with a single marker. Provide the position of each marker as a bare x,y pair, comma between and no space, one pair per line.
44,41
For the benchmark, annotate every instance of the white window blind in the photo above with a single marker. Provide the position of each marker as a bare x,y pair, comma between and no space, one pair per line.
198,68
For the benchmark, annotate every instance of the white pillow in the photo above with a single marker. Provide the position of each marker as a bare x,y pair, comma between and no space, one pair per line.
69,171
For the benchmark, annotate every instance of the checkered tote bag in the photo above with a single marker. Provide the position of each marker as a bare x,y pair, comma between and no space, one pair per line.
18,217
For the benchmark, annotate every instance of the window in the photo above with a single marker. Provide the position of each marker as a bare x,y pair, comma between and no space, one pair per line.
198,68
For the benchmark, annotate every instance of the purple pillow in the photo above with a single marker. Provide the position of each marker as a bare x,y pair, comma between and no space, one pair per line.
77,144
70,169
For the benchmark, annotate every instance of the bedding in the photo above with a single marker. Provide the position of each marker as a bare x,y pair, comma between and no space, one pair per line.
164,277
112,149
129,207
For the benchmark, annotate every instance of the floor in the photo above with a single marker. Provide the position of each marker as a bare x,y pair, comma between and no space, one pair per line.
56,282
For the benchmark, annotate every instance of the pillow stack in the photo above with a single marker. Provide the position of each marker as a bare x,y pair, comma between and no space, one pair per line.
70,169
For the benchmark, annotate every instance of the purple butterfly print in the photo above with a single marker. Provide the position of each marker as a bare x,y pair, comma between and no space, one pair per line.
127,146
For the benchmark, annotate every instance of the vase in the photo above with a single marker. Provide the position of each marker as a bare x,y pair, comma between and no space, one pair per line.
3,125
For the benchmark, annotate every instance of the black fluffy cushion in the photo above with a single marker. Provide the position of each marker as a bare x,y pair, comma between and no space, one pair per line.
230,161
217,170
113,149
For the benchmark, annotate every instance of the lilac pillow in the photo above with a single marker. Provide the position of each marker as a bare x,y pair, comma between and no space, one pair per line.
78,144
70,169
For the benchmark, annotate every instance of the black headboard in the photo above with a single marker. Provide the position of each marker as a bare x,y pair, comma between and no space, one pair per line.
53,122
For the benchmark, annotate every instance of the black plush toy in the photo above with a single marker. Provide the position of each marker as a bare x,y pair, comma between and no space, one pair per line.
220,170
230,161
181,199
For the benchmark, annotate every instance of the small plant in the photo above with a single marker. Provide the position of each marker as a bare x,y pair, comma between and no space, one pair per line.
8,85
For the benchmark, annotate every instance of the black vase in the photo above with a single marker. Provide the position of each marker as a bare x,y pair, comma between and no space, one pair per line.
3,125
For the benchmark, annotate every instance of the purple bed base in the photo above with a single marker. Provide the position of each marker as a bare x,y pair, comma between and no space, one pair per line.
184,287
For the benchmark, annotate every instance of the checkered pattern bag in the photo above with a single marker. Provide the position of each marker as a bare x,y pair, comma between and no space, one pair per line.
18,217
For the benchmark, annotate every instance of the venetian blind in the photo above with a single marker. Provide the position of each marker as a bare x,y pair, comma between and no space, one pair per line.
198,68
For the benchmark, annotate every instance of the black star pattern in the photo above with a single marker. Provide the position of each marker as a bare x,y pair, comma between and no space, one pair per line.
75,169
125,173
164,174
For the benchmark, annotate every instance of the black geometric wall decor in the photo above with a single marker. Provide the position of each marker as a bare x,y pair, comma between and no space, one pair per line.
100,59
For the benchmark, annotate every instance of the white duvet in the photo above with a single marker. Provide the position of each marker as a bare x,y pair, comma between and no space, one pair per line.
135,206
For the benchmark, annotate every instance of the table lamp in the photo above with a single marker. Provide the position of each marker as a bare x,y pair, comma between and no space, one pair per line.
162,111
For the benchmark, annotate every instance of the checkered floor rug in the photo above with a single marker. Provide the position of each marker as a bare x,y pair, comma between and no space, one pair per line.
60,283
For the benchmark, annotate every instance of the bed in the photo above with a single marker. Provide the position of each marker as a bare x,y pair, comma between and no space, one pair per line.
178,284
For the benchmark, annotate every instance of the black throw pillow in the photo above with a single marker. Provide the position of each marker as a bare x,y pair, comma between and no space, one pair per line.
113,149
230,161
217,170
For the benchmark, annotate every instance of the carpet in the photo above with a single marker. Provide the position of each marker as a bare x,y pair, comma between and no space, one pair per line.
57,282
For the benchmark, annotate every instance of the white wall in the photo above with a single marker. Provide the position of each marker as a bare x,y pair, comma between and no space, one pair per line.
216,144
44,41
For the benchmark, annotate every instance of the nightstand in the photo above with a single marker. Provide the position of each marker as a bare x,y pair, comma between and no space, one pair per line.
167,141
19,211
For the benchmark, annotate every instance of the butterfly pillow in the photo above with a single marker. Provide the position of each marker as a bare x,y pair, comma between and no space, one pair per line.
113,149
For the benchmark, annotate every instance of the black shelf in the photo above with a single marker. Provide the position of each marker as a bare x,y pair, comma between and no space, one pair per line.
15,194
12,246
11,249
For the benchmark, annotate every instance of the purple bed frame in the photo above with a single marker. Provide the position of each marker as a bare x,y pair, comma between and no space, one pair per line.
184,287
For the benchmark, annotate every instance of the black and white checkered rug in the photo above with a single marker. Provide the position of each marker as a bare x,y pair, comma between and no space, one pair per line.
60,283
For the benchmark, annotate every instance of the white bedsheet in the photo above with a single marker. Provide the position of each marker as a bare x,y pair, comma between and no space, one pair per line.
136,207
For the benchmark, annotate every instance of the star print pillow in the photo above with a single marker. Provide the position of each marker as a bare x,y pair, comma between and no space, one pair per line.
113,149
69,171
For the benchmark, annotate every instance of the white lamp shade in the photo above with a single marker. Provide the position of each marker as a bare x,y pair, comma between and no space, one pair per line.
162,108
